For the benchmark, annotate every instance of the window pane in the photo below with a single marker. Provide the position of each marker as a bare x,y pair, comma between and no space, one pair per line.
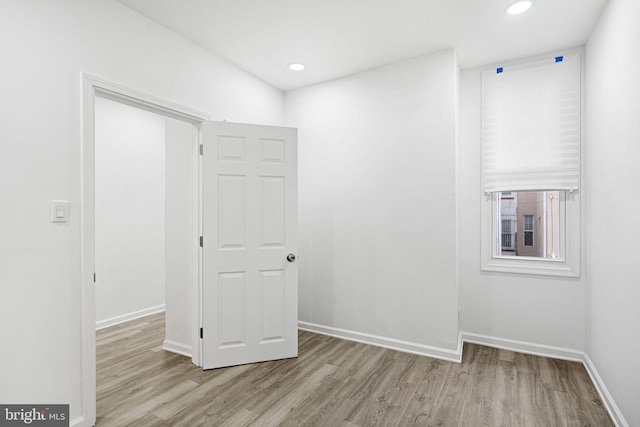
528,238
529,224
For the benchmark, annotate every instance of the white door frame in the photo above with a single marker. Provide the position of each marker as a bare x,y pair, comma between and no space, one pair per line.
92,87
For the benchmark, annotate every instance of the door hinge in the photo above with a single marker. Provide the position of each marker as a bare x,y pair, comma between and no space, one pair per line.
94,277
201,242
201,149
201,333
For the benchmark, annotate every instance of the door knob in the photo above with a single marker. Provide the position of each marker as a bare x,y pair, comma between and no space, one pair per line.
291,257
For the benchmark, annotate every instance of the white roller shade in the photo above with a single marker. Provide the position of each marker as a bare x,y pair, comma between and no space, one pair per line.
531,126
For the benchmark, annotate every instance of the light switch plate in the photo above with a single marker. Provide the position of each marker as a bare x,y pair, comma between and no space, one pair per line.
59,211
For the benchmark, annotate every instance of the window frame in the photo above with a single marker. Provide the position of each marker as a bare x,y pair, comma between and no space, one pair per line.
567,265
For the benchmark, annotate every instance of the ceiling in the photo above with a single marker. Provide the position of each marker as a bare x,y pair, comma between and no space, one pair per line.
334,38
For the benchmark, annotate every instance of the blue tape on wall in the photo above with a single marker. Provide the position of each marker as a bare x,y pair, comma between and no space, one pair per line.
499,70
559,58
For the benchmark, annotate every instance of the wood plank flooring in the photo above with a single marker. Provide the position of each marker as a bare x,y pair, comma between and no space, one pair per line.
336,383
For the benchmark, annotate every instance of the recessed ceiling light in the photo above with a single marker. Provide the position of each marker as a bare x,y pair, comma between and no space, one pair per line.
519,7
296,67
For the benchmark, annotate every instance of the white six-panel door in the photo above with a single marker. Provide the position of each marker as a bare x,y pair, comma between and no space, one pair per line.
249,224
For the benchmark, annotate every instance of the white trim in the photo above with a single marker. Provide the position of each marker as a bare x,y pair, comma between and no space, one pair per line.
90,88
605,396
112,321
524,347
78,421
122,94
390,343
87,252
197,352
177,347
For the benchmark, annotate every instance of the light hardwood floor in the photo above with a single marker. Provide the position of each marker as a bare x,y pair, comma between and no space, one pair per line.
336,383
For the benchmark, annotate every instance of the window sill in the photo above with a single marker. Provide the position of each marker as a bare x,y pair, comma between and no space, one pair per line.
547,267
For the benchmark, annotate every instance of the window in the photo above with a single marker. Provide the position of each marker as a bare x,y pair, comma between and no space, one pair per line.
507,237
528,230
531,224
531,127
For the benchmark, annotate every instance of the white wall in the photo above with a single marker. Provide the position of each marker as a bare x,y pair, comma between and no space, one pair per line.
130,217
181,228
46,44
613,150
377,193
536,309
377,201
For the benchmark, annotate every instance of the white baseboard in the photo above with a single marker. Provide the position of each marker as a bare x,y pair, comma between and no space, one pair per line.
176,347
390,343
524,347
78,422
605,396
128,316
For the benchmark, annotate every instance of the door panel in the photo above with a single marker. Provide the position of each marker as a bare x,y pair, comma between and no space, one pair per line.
249,220
232,223
273,206
231,316
273,307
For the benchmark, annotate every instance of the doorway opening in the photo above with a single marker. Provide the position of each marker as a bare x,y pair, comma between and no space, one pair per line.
144,219
128,218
